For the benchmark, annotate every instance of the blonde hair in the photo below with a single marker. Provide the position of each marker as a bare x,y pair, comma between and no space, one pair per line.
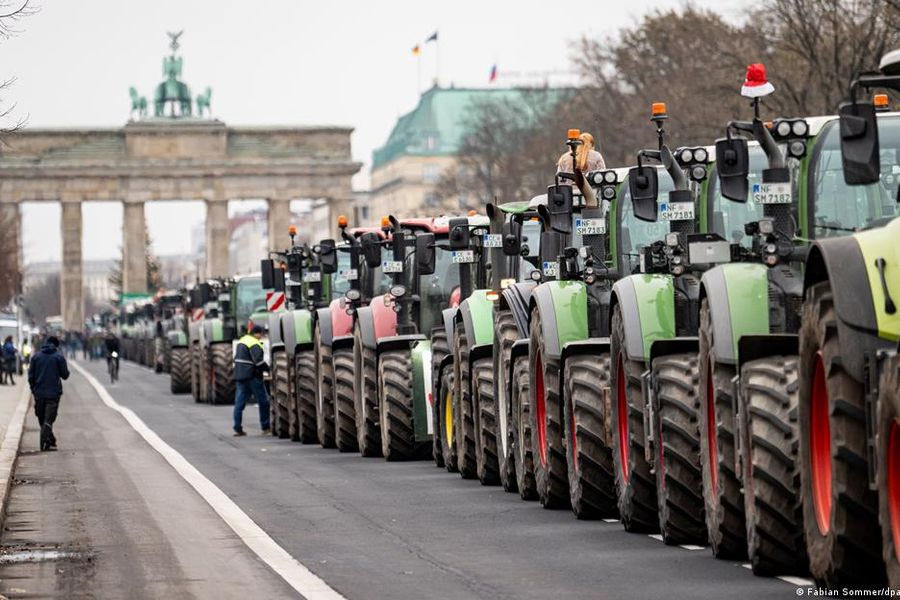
583,151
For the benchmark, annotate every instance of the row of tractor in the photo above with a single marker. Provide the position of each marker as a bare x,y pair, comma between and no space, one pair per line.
702,345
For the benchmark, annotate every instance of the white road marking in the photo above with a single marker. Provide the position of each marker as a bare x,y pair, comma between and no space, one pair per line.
747,566
610,520
290,569
656,536
692,547
798,581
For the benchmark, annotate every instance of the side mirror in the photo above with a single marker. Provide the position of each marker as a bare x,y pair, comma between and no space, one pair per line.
196,299
328,256
859,143
425,253
559,208
643,185
459,234
733,165
205,293
267,266
371,247
512,239
279,283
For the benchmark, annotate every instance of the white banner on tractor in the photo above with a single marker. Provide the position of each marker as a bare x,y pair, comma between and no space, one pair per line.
274,301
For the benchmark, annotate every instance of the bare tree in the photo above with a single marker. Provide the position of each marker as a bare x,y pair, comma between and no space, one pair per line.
10,274
153,271
11,14
42,300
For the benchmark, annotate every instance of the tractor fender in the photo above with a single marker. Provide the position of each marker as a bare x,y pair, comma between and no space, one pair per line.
344,341
366,326
738,298
477,313
384,319
864,325
273,324
423,390
448,317
589,346
679,345
647,303
516,298
194,331
213,331
341,322
519,350
323,322
177,339
446,363
398,342
563,308
296,329
751,347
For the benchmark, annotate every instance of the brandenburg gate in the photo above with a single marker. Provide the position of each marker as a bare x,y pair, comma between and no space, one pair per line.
172,155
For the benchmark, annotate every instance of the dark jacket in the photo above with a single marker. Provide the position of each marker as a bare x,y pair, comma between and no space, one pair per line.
249,361
48,367
9,353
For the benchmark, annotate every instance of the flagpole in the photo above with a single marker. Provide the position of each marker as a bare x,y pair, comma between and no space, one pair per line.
437,62
418,73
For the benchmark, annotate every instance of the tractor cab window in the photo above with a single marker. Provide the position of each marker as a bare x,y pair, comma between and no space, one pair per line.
339,282
435,289
250,298
838,208
727,217
634,234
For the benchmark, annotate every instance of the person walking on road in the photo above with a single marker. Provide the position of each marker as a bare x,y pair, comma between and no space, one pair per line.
249,366
48,369
8,361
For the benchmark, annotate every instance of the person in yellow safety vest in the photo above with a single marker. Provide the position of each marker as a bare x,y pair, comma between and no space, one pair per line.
249,366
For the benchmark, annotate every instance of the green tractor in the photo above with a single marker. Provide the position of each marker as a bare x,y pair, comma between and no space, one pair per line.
849,364
177,348
291,344
230,306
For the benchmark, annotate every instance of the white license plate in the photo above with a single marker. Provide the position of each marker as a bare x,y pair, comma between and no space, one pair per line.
312,277
462,256
392,266
771,193
676,211
350,274
551,268
493,240
590,226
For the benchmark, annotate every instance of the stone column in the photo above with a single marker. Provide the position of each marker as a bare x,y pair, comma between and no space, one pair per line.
217,238
134,249
11,261
71,291
279,220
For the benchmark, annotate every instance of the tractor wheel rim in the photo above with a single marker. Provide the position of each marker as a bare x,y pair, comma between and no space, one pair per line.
448,418
622,416
893,484
820,448
540,408
501,408
712,444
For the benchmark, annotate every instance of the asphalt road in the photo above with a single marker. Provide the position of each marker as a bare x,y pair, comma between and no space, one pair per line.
368,528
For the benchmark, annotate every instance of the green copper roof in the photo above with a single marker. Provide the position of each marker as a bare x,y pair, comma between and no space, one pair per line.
436,126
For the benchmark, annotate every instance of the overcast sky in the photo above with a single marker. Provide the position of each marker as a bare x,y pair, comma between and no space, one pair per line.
292,62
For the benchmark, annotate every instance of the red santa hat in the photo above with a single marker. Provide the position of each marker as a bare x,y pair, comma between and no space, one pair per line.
755,83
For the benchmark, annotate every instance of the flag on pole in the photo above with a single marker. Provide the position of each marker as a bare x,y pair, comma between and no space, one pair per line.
416,50
493,75
433,37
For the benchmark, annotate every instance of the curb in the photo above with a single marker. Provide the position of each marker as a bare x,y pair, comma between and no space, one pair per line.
9,449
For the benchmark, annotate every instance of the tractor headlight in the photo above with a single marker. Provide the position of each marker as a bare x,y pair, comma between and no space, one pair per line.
771,248
797,148
535,275
772,260
766,226
352,295
783,129
800,128
698,172
609,177
687,156
398,291
671,239
676,260
677,269
590,279
700,155
608,193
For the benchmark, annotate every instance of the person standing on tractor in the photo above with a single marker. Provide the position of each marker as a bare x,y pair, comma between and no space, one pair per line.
249,366
587,159
48,369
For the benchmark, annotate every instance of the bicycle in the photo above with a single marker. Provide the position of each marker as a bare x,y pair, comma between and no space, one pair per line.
112,365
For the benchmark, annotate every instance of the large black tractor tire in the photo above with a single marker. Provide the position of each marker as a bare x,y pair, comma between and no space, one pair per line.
770,444
505,335
305,395
679,483
592,480
180,371
365,397
550,468
284,417
486,466
447,421
196,372
840,520
723,497
440,348
888,453
345,413
223,374
395,380
324,393
463,407
635,483
520,400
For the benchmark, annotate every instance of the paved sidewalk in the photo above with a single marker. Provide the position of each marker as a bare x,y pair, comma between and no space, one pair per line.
9,400
15,402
